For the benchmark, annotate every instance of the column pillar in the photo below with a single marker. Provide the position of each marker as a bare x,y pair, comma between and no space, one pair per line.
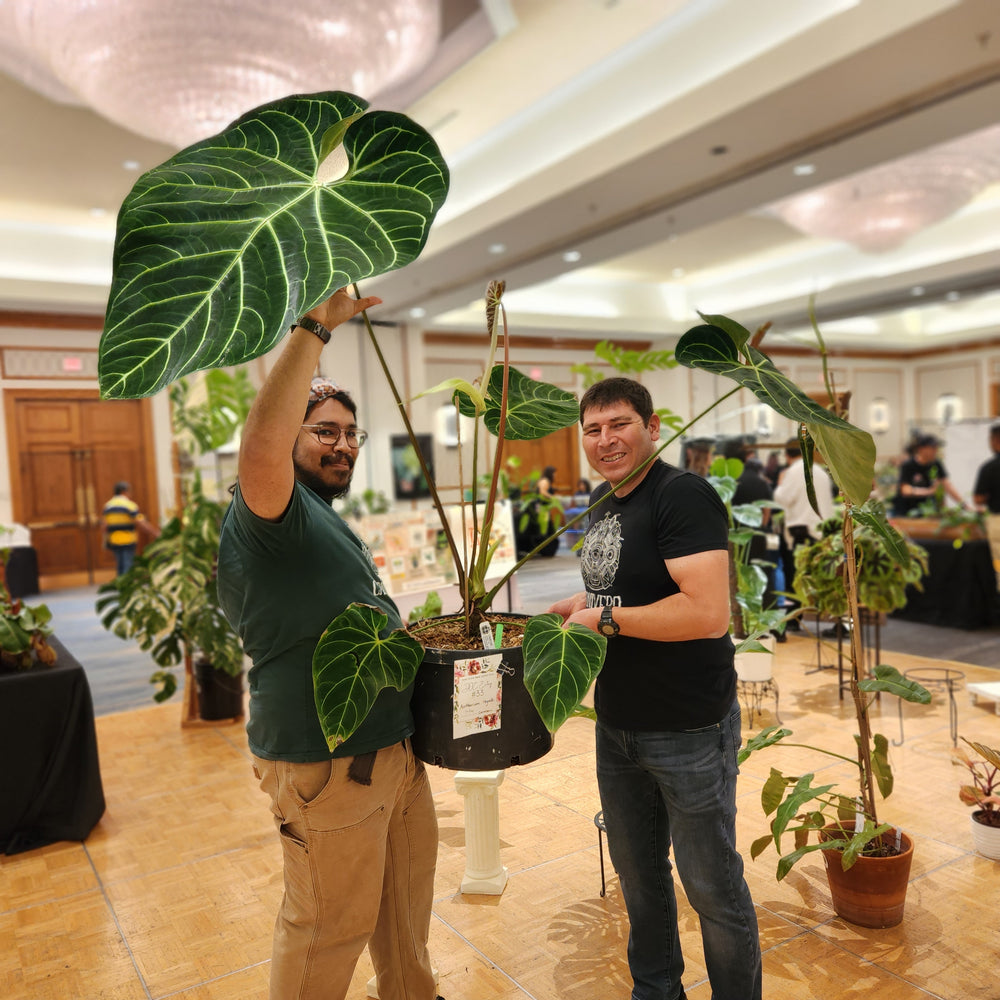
483,871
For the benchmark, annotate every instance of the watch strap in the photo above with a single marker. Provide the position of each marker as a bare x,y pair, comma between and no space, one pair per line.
314,326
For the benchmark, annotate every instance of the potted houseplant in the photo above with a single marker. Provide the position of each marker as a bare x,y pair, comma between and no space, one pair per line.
167,601
983,794
845,826
24,630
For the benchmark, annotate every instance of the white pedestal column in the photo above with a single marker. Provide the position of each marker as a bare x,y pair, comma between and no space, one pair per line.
483,871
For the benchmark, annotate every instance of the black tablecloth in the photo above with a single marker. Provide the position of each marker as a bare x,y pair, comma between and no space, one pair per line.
960,588
50,784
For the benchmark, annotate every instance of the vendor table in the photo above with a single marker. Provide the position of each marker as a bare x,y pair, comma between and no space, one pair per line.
50,785
959,590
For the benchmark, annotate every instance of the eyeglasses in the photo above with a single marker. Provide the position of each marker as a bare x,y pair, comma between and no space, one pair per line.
329,434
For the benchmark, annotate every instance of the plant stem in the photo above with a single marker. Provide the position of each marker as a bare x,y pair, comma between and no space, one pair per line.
428,478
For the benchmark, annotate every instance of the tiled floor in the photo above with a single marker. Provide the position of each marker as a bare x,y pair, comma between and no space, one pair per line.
174,892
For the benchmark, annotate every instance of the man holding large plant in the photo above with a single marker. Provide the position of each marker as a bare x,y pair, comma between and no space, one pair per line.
357,824
655,563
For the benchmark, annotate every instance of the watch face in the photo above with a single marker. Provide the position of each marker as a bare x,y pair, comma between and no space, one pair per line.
607,625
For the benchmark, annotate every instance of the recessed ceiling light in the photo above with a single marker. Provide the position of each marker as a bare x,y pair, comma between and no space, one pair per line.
418,312
98,212
917,290
572,256
130,164
497,247
953,296
804,169
677,272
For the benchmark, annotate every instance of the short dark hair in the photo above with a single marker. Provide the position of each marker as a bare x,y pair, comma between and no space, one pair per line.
926,441
121,487
793,448
618,390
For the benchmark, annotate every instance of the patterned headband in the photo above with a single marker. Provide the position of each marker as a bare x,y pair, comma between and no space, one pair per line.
322,388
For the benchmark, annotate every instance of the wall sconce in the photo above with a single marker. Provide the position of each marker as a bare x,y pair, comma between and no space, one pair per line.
763,420
949,408
878,415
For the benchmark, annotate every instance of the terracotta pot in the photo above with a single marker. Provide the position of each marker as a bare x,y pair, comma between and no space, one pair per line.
872,892
442,737
985,838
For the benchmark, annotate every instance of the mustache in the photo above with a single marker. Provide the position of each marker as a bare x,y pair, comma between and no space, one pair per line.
328,460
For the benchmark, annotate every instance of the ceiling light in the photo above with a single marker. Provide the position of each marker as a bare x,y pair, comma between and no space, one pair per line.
572,256
677,272
180,71
804,169
879,209
917,290
418,312
497,247
130,164
953,296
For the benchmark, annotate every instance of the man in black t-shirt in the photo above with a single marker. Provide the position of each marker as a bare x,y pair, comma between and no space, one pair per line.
921,477
655,564
986,494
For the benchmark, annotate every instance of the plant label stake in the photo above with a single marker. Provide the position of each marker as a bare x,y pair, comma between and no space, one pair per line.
487,635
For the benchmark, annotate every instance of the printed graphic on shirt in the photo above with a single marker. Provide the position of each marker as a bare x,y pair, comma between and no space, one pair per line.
378,587
601,552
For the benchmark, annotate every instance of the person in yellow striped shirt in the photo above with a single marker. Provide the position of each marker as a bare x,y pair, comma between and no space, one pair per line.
122,522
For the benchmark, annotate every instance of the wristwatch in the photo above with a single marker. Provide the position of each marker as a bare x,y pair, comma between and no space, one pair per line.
313,326
607,625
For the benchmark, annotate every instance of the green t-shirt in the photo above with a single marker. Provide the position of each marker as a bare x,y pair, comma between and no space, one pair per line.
280,585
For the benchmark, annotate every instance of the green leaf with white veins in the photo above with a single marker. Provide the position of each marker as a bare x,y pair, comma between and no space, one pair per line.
224,245
534,409
560,664
353,662
849,452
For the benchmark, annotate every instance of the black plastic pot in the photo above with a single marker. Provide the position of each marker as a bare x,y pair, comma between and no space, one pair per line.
521,738
220,696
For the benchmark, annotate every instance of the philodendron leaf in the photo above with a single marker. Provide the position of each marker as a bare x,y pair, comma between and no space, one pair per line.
13,638
560,664
534,409
848,451
352,663
222,247
890,680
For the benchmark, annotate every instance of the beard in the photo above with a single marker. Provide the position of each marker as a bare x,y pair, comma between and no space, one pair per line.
334,484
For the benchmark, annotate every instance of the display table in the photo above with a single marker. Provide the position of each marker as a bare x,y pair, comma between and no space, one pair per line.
959,589
50,785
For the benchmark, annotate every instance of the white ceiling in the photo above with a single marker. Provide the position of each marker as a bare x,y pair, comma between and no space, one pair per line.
645,136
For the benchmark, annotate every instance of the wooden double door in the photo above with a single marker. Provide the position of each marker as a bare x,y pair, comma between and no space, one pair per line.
67,450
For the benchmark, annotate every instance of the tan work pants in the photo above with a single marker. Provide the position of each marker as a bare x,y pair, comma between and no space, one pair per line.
993,533
359,870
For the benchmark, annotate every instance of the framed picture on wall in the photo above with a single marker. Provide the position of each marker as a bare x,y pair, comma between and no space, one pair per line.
408,482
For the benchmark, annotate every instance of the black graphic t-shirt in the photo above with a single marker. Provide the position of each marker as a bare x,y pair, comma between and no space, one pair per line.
645,685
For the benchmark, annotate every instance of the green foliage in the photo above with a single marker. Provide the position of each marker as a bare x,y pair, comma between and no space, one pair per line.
23,629
223,246
204,427
883,573
167,601
353,662
429,609
560,664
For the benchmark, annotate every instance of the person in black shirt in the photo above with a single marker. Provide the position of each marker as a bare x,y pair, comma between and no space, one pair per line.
655,563
986,495
921,477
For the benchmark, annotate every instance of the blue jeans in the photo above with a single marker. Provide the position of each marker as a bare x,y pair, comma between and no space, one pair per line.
680,788
124,557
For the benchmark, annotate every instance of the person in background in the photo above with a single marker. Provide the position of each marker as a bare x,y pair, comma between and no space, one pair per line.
122,523
921,476
546,481
799,520
655,564
986,496
698,456
357,824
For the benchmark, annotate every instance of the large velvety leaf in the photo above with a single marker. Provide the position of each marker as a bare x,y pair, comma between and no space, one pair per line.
848,451
223,246
534,409
560,664
352,663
